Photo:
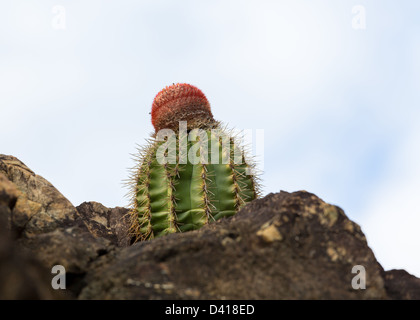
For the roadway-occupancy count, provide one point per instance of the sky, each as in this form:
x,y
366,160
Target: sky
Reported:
x,y
333,86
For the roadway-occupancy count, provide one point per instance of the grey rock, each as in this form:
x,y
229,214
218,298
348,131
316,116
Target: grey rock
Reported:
x,y
400,285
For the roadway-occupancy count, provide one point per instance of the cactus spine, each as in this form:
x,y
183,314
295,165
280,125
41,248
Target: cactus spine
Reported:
x,y
192,175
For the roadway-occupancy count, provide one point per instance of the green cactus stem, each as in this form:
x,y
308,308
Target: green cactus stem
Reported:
x,y
192,171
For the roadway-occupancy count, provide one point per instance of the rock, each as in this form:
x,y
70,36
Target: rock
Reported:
x,y
402,285
48,227
111,224
73,248
21,276
40,207
8,197
283,246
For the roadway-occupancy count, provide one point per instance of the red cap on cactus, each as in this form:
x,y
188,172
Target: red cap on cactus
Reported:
x,y
180,102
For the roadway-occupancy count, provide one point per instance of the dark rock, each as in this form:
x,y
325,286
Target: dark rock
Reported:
x,y
110,224
401,285
8,197
46,225
283,246
21,276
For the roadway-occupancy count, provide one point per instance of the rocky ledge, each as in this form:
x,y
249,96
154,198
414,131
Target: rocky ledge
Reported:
x,y
283,246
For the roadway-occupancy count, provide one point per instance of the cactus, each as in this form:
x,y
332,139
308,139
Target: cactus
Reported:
x,y
188,173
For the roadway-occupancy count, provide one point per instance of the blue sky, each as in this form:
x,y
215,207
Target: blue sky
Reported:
x,y
339,107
